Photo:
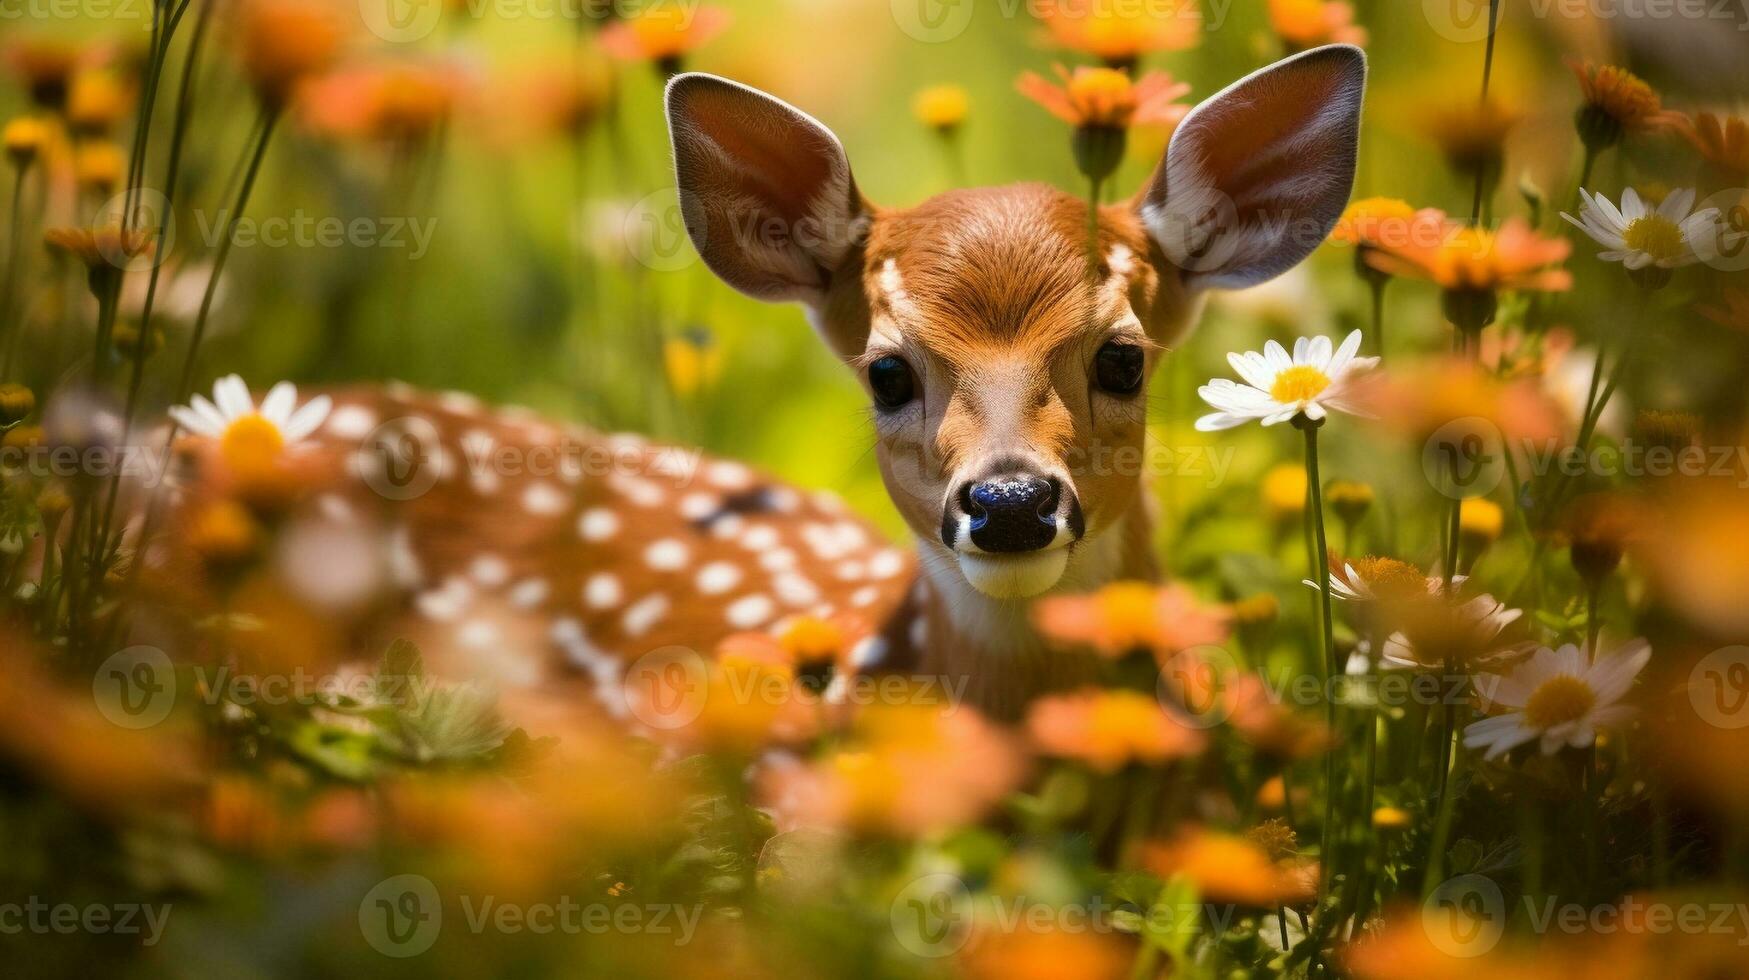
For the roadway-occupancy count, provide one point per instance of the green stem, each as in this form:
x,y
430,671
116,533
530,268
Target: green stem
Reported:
x,y
1487,77
1316,492
1450,767
14,249
1378,313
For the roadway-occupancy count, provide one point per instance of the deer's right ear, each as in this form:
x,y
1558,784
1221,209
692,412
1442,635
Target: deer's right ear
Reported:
x,y
765,190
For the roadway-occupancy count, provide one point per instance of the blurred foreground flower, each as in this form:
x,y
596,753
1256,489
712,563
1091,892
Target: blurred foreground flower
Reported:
x,y
909,769
97,104
1269,727
45,67
1471,135
1120,33
1309,23
1109,729
1560,697
664,34
283,43
1442,632
248,436
404,102
1278,388
942,108
1651,241
1228,868
1130,617
1724,143
1033,953
23,139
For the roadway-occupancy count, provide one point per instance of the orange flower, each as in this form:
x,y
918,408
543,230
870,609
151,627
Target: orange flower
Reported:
x,y
664,33
1309,23
1126,617
1377,221
1105,98
1121,33
565,100
104,247
909,769
1228,868
1269,726
405,101
23,139
1457,257
1724,143
1428,398
1735,312
283,43
1109,729
1044,954
1617,103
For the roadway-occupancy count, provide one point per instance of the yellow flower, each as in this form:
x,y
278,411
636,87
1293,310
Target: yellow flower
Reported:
x,y
108,247
16,403
1349,499
941,107
1480,521
1284,491
24,139
1255,610
1390,818
222,533
99,166
1126,617
1471,134
97,103
1374,220
52,504
693,360
45,66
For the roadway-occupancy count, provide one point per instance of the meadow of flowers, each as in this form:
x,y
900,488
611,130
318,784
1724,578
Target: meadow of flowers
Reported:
x,y
1447,673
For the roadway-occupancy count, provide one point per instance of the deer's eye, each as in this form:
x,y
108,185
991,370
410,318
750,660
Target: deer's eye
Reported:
x,y
1118,368
892,382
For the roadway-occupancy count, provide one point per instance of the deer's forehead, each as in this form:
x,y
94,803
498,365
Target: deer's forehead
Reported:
x,y
1003,269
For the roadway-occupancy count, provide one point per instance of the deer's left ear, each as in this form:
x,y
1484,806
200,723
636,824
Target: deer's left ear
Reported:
x,y
1257,175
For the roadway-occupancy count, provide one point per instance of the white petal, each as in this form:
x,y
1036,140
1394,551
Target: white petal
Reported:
x,y
1318,353
1277,357
233,397
278,404
1677,203
1219,421
1632,208
307,419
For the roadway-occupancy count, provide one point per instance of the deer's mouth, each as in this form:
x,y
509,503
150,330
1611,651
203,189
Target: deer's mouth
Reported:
x,y
1014,576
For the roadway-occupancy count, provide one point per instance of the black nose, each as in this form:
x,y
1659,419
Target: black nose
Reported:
x,y
1011,513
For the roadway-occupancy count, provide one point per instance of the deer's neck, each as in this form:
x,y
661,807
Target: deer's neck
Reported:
x,y
990,646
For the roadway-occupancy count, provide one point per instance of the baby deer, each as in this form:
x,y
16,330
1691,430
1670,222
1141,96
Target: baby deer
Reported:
x,y
1004,368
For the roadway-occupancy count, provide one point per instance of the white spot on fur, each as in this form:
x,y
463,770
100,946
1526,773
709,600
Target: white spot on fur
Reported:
x,y
351,422
698,506
489,570
528,593
795,589
666,555
750,611
718,577
598,524
543,499
865,596
602,591
643,614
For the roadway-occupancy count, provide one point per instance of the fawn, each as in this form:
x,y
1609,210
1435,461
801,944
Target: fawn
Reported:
x,y
999,360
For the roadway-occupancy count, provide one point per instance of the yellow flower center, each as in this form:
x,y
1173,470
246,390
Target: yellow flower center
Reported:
x,y
1104,95
1299,383
1656,236
1560,699
1128,614
1390,578
250,442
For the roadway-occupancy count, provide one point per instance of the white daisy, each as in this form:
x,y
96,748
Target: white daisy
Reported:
x,y
1461,632
1557,696
1278,387
1638,235
232,405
